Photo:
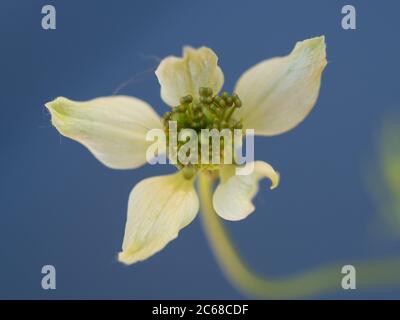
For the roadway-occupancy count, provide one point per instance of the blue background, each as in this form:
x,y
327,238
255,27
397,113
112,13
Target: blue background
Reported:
x,y
60,206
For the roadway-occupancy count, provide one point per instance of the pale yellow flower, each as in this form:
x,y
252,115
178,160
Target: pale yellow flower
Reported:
x,y
275,96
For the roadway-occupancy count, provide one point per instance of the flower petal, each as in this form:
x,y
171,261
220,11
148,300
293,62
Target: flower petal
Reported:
x,y
112,128
277,94
232,198
158,208
179,77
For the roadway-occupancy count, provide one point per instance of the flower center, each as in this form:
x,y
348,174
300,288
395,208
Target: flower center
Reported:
x,y
208,112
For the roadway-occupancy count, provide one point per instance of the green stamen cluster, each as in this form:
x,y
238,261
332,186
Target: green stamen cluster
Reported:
x,y
208,112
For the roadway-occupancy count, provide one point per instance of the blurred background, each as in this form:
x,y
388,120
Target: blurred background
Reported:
x,y
60,206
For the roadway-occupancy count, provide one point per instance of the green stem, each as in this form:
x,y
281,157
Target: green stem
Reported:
x,y
324,279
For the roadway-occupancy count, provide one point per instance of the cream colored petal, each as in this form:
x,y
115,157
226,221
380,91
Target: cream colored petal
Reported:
x,y
277,94
179,77
232,198
158,209
112,128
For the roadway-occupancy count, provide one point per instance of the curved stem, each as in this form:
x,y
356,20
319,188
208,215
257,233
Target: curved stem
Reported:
x,y
320,280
